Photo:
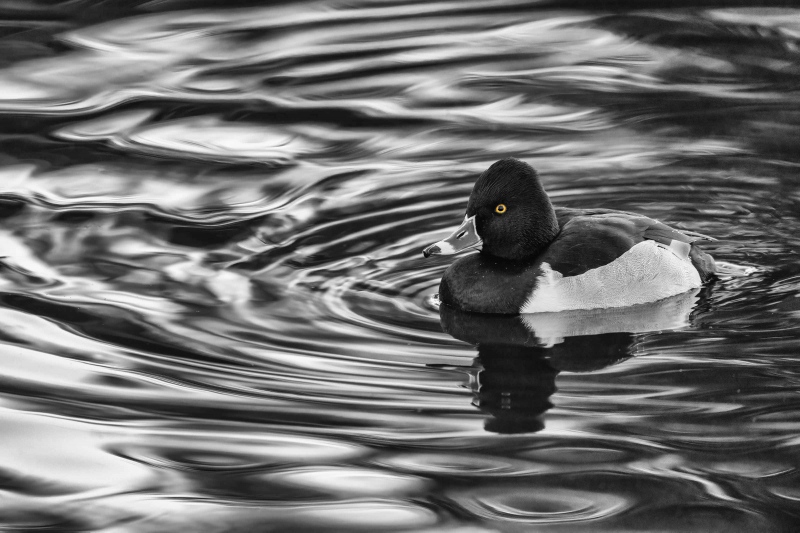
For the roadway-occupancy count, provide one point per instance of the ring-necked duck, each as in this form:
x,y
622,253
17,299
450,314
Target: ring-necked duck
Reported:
x,y
534,258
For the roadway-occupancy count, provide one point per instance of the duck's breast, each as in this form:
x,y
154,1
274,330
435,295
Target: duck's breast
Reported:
x,y
478,284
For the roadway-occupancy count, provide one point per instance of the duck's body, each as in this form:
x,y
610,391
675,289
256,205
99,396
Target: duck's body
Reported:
x,y
600,258
538,259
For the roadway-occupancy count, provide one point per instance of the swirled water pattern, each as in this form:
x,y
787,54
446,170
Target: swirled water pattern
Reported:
x,y
214,311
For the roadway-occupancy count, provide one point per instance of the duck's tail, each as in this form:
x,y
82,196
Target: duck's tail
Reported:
x,y
703,262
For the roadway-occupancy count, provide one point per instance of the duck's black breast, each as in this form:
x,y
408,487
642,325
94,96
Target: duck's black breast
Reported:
x,y
480,284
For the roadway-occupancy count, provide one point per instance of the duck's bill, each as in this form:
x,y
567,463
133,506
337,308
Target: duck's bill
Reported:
x,y
464,238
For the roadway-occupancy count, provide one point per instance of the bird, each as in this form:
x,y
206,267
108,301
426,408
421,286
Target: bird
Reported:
x,y
534,257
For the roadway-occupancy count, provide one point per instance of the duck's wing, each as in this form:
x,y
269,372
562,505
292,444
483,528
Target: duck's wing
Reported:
x,y
698,237
662,233
594,238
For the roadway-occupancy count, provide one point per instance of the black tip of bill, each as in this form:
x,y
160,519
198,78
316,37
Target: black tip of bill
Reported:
x,y
431,250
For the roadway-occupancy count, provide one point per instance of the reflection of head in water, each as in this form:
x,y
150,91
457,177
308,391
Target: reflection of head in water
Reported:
x,y
519,357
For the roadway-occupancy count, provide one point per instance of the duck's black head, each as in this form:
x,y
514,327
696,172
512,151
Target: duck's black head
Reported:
x,y
513,215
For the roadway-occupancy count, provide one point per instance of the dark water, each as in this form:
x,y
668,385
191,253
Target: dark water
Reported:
x,y
214,311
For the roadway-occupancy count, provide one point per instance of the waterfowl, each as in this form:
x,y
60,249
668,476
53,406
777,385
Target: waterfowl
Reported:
x,y
537,258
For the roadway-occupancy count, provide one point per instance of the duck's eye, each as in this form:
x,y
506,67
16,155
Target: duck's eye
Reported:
x,y
500,209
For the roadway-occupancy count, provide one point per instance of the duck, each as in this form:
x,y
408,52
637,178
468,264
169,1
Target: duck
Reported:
x,y
535,258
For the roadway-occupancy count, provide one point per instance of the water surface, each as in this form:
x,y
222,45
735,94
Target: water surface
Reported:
x,y
214,312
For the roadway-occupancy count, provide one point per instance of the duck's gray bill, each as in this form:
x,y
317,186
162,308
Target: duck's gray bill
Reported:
x,y
465,237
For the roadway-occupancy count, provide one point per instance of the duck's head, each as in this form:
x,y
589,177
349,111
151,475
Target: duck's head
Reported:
x,y
509,216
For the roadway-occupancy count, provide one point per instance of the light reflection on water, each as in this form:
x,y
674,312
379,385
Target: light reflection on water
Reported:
x,y
215,314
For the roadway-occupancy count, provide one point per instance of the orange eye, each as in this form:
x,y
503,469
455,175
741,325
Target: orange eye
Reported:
x,y
500,209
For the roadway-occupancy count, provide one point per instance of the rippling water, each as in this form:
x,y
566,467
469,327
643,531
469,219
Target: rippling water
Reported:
x,y
215,314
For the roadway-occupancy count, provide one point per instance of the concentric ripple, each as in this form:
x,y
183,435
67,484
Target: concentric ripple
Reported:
x,y
542,505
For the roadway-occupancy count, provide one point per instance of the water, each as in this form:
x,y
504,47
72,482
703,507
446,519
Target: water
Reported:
x,y
216,316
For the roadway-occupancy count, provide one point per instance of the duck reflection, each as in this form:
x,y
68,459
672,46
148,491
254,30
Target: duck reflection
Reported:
x,y
520,356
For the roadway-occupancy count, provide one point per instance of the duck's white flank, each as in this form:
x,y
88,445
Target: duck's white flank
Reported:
x,y
646,273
